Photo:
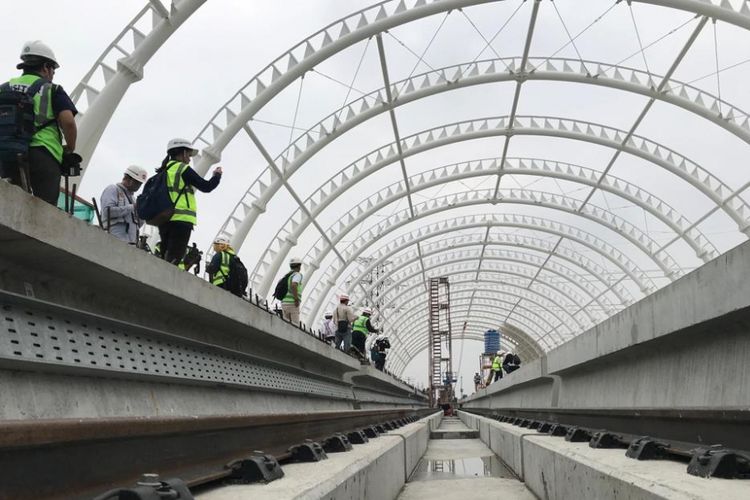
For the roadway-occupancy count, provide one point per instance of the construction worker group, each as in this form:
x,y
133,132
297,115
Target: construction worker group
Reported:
x,y
37,148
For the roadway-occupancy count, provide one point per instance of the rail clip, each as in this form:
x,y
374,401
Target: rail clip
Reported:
x,y
254,469
646,448
357,437
577,435
337,443
309,451
151,488
719,462
604,439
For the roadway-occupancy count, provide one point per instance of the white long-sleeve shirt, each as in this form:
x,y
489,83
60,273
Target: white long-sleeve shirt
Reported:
x,y
118,210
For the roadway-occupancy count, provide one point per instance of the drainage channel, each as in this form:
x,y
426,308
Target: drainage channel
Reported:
x,y
457,462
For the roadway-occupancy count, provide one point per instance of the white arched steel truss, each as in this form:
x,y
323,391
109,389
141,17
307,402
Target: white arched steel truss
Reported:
x,y
296,223
122,64
323,287
480,258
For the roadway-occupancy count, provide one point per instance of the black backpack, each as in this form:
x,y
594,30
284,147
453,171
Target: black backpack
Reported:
x,y
154,204
17,126
237,280
282,287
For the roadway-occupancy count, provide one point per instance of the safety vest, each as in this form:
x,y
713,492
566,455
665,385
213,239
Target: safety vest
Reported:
x,y
496,363
185,209
289,298
223,273
49,136
360,324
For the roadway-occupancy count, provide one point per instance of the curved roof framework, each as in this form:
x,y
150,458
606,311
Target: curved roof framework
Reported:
x,y
540,245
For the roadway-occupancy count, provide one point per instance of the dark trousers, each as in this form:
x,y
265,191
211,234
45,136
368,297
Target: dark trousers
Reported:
x,y
44,174
174,240
358,341
498,375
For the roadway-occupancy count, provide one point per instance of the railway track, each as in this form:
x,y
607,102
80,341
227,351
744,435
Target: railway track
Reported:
x,y
73,459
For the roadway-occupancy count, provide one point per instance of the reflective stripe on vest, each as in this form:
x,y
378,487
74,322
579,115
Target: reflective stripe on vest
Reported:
x,y
49,136
185,209
223,273
360,324
289,298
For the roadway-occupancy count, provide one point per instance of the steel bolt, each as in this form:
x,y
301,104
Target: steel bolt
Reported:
x,y
149,480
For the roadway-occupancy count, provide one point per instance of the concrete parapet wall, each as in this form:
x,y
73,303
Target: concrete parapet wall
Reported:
x,y
60,267
685,346
555,469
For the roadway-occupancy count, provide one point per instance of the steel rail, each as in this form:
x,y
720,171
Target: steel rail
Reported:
x,y
81,458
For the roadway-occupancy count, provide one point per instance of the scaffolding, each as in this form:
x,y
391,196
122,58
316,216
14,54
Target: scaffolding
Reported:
x,y
441,374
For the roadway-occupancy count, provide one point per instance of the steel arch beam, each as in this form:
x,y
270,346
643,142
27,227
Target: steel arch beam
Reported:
x,y
617,77
712,187
296,224
400,275
103,100
510,240
455,243
481,313
521,222
415,315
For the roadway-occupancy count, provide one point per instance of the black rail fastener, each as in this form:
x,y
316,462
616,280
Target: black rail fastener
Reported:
x,y
337,443
254,469
544,427
577,435
371,432
718,461
507,419
357,437
534,424
380,428
604,439
387,426
525,422
646,448
309,451
558,430
151,487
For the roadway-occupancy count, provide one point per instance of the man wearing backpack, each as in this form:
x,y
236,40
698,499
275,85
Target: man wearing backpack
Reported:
x,y
293,297
39,142
182,181
218,268
361,327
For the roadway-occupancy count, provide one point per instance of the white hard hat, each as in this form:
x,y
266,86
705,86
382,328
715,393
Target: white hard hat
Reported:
x,y
328,313
343,296
295,260
366,310
499,352
181,143
136,173
222,240
36,49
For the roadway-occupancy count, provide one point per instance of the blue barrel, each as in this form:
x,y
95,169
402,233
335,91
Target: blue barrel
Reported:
x,y
491,341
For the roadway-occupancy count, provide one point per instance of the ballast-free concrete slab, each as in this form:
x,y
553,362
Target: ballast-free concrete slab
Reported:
x,y
485,488
456,448
453,428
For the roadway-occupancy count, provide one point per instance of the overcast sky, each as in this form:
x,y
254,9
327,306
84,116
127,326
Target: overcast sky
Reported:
x,y
226,42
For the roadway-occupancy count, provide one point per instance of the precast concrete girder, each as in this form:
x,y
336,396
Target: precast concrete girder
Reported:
x,y
649,202
324,285
103,99
708,184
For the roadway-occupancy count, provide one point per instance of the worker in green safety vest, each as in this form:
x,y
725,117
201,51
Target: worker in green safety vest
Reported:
x,y
54,119
218,268
293,298
182,181
497,366
361,327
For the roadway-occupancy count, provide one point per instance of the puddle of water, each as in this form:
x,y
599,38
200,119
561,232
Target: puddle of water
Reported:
x,y
459,468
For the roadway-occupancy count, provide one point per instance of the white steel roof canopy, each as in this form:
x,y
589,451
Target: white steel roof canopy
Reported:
x,y
511,258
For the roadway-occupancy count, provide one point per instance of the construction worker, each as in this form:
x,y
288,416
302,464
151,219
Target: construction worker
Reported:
x,y
118,205
361,327
378,350
54,112
328,328
182,182
293,298
497,366
477,381
343,317
511,362
218,268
